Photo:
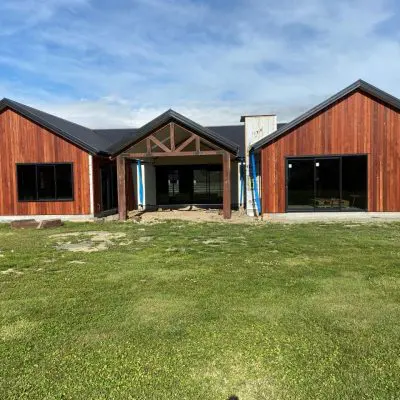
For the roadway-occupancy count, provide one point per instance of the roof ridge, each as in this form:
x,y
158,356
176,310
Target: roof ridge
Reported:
x,y
34,111
34,114
171,114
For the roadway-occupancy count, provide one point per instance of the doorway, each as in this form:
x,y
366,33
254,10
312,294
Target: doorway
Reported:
x,y
189,184
109,196
336,183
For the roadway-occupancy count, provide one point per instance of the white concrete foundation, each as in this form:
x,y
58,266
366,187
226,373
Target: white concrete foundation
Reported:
x,y
332,217
76,218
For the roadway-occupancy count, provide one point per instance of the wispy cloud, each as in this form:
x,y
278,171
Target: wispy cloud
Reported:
x,y
121,63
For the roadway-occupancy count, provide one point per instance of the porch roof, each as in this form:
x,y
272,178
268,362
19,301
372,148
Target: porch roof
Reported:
x,y
173,116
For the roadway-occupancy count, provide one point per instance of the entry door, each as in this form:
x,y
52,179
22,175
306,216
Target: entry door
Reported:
x,y
300,184
174,185
108,187
314,184
327,184
207,185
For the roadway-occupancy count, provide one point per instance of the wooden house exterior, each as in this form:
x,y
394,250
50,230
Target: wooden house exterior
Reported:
x,y
359,121
342,155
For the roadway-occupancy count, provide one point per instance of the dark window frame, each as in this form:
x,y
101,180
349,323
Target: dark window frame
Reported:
x,y
55,199
314,157
191,201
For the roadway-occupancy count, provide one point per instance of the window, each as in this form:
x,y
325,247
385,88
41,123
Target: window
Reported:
x,y
328,183
44,182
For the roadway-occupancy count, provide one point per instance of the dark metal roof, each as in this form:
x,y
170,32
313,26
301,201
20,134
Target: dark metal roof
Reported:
x,y
111,141
79,135
359,85
170,116
234,133
116,137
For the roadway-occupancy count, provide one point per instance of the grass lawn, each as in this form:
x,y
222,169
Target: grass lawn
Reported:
x,y
201,311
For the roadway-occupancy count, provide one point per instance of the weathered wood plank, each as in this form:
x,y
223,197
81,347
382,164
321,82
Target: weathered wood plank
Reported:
x,y
185,143
137,156
226,166
121,177
162,146
172,135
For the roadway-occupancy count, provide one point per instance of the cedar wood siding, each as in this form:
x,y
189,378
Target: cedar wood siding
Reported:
x,y
23,141
357,124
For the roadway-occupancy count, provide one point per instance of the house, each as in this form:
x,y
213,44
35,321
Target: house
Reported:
x,y
342,155
53,167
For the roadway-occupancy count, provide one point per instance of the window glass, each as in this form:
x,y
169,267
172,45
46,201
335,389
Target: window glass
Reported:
x,y
44,182
64,181
27,182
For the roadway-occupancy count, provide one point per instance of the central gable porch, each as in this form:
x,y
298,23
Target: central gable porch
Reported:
x,y
183,153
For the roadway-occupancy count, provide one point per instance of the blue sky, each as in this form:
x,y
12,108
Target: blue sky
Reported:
x,y
120,63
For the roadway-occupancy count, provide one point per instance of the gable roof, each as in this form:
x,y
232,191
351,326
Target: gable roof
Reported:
x,y
172,115
107,142
359,85
116,137
77,134
234,133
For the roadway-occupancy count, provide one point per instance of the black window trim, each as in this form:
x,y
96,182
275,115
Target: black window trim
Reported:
x,y
314,157
72,198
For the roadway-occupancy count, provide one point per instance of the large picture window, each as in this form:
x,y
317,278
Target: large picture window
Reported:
x,y
45,182
327,183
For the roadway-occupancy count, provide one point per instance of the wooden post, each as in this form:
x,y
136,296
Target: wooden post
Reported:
x,y
121,177
226,166
172,135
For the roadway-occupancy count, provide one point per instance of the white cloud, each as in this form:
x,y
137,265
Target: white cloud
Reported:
x,y
123,66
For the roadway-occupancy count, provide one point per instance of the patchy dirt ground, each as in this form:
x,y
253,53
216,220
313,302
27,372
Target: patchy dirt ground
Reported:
x,y
89,242
239,217
194,216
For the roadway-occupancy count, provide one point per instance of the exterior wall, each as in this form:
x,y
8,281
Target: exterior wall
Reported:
x,y
149,185
22,141
131,202
91,187
256,128
235,184
357,124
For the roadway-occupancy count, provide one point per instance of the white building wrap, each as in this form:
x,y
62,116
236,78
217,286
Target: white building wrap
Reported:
x,y
256,128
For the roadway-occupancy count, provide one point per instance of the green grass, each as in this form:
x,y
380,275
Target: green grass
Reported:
x,y
202,311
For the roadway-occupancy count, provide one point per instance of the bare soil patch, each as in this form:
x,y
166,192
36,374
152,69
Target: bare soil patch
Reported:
x,y
88,242
151,217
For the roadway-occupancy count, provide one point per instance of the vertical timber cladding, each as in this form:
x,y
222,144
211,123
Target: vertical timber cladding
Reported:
x,y
22,141
358,124
256,128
